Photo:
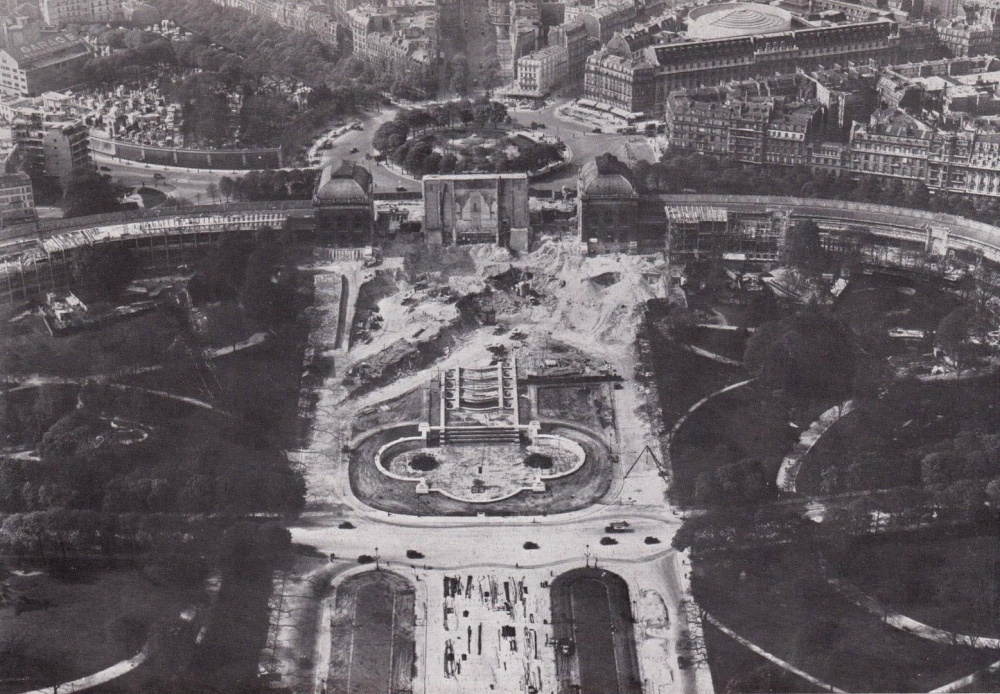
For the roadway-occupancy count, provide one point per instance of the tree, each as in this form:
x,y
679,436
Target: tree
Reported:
x,y
459,82
810,354
226,187
87,192
488,112
449,162
993,491
871,378
954,330
940,467
415,158
803,247
212,191
390,136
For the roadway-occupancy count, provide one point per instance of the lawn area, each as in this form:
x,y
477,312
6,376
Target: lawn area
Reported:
x,y
882,446
26,347
93,621
738,425
725,343
874,303
949,583
777,599
371,659
591,608
260,384
25,415
682,378
372,634
733,666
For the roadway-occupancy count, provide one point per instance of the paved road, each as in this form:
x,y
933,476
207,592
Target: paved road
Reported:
x,y
179,183
191,184
446,545
385,180
585,144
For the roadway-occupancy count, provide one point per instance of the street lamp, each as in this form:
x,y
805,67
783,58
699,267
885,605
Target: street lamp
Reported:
x,y
587,555
376,559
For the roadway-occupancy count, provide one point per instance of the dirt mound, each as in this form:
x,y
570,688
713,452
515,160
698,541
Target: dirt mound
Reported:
x,y
608,311
606,279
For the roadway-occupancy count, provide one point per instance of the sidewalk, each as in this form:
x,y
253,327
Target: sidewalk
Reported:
x,y
106,675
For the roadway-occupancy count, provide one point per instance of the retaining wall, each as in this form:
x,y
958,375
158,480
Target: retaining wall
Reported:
x,y
229,159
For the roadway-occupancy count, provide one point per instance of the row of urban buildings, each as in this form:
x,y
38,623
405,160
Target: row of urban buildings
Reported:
x,y
637,70
41,138
933,122
314,17
542,51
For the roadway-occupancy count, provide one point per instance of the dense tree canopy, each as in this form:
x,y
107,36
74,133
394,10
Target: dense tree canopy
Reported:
x,y
87,192
809,354
103,272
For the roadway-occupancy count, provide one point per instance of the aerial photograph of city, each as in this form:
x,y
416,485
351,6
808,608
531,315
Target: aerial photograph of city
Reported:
x,y
499,346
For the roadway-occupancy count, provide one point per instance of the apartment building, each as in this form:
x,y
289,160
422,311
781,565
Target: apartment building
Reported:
x,y
52,141
403,40
49,63
694,64
62,12
17,200
543,71
574,37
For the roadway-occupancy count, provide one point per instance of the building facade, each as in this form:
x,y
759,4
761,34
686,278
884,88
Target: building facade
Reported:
x,y
51,139
50,63
962,38
604,21
477,208
344,204
958,153
17,200
607,207
314,17
574,37
61,12
702,231
621,82
543,71
403,42
696,64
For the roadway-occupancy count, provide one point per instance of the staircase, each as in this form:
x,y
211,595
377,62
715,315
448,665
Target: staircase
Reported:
x,y
481,435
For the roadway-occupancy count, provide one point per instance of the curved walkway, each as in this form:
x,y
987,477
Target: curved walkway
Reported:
x,y
106,675
911,626
701,352
964,682
770,656
27,382
683,418
791,463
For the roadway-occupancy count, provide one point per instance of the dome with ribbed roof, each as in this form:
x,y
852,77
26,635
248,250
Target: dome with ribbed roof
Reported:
x,y
737,19
606,177
344,182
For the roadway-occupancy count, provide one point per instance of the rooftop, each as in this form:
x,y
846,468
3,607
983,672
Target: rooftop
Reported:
x,y
46,48
344,182
605,177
